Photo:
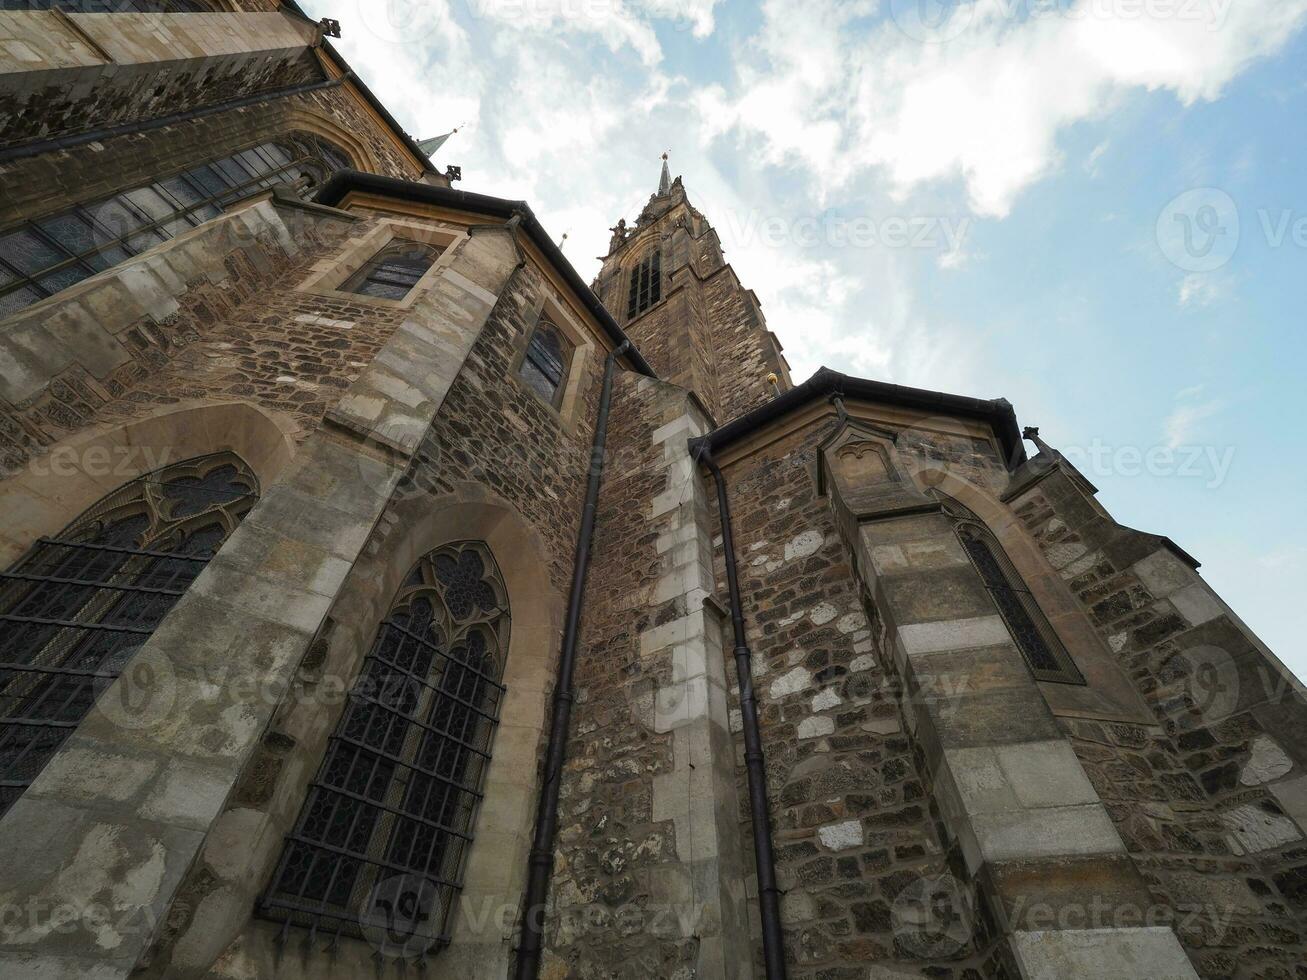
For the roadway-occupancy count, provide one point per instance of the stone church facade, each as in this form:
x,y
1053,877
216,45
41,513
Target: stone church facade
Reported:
x,y
379,597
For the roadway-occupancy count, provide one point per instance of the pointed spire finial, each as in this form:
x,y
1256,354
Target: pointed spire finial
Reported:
x,y
665,181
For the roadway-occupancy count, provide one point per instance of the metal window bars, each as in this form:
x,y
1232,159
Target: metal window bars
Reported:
x,y
379,848
77,607
38,258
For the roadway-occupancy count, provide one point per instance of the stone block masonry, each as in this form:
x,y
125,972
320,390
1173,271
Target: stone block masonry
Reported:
x,y
1206,801
257,608
859,851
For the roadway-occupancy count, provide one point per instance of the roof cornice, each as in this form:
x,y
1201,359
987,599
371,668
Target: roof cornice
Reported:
x,y
346,181
997,413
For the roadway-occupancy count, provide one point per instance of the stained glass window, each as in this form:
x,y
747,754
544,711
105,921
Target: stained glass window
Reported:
x,y
544,366
76,608
646,284
394,271
39,258
380,844
1044,653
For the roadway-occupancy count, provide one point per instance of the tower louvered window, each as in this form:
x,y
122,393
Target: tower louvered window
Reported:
x,y
380,845
646,284
39,258
1044,653
78,606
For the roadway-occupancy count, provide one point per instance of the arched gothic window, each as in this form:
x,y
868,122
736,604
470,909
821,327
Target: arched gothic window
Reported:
x,y
76,608
646,284
39,258
1044,653
544,365
394,271
385,830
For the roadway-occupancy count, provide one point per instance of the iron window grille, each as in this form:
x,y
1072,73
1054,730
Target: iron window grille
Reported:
x,y
394,271
112,6
544,365
76,607
380,845
1035,637
646,284
39,258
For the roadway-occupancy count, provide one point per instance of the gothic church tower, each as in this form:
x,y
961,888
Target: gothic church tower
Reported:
x,y
379,601
668,283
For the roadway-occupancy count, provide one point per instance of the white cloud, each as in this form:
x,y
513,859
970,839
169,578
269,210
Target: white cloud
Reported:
x,y
1200,289
840,95
1182,424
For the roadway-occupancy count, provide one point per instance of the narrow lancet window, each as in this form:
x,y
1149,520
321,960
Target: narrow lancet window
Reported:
x,y
544,366
1035,637
646,284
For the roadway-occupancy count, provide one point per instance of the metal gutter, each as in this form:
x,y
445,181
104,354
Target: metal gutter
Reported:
x,y
769,893
998,413
541,862
344,181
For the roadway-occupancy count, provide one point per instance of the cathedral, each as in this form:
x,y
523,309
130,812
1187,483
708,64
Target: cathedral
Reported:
x,y
378,599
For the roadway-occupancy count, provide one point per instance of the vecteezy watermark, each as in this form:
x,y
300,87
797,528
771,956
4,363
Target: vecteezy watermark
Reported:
x,y
126,462
1211,464
933,917
1198,231
1097,912
401,916
834,231
938,21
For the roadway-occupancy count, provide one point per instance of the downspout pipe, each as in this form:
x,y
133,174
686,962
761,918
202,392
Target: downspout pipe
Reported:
x,y
769,895
541,861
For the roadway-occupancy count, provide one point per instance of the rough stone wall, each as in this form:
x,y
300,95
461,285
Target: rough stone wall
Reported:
x,y
492,432
495,431
1204,801
245,337
608,839
155,65
855,820
46,183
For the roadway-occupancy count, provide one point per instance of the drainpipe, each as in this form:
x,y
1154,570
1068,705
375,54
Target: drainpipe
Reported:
x,y
769,902
541,863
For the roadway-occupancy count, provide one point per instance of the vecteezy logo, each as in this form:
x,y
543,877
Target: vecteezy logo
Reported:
x,y
1208,679
142,695
399,21
932,21
401,916
1198,231
932,917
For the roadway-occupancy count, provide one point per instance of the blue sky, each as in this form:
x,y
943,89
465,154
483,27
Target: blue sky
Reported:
x,y
1096,209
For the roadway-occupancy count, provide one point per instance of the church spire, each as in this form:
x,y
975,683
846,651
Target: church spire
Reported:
x,y
665,181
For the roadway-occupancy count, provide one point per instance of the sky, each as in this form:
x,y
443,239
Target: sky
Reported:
x,y
1094,208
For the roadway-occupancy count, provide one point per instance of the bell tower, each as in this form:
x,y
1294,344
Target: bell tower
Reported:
x,y
667,282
